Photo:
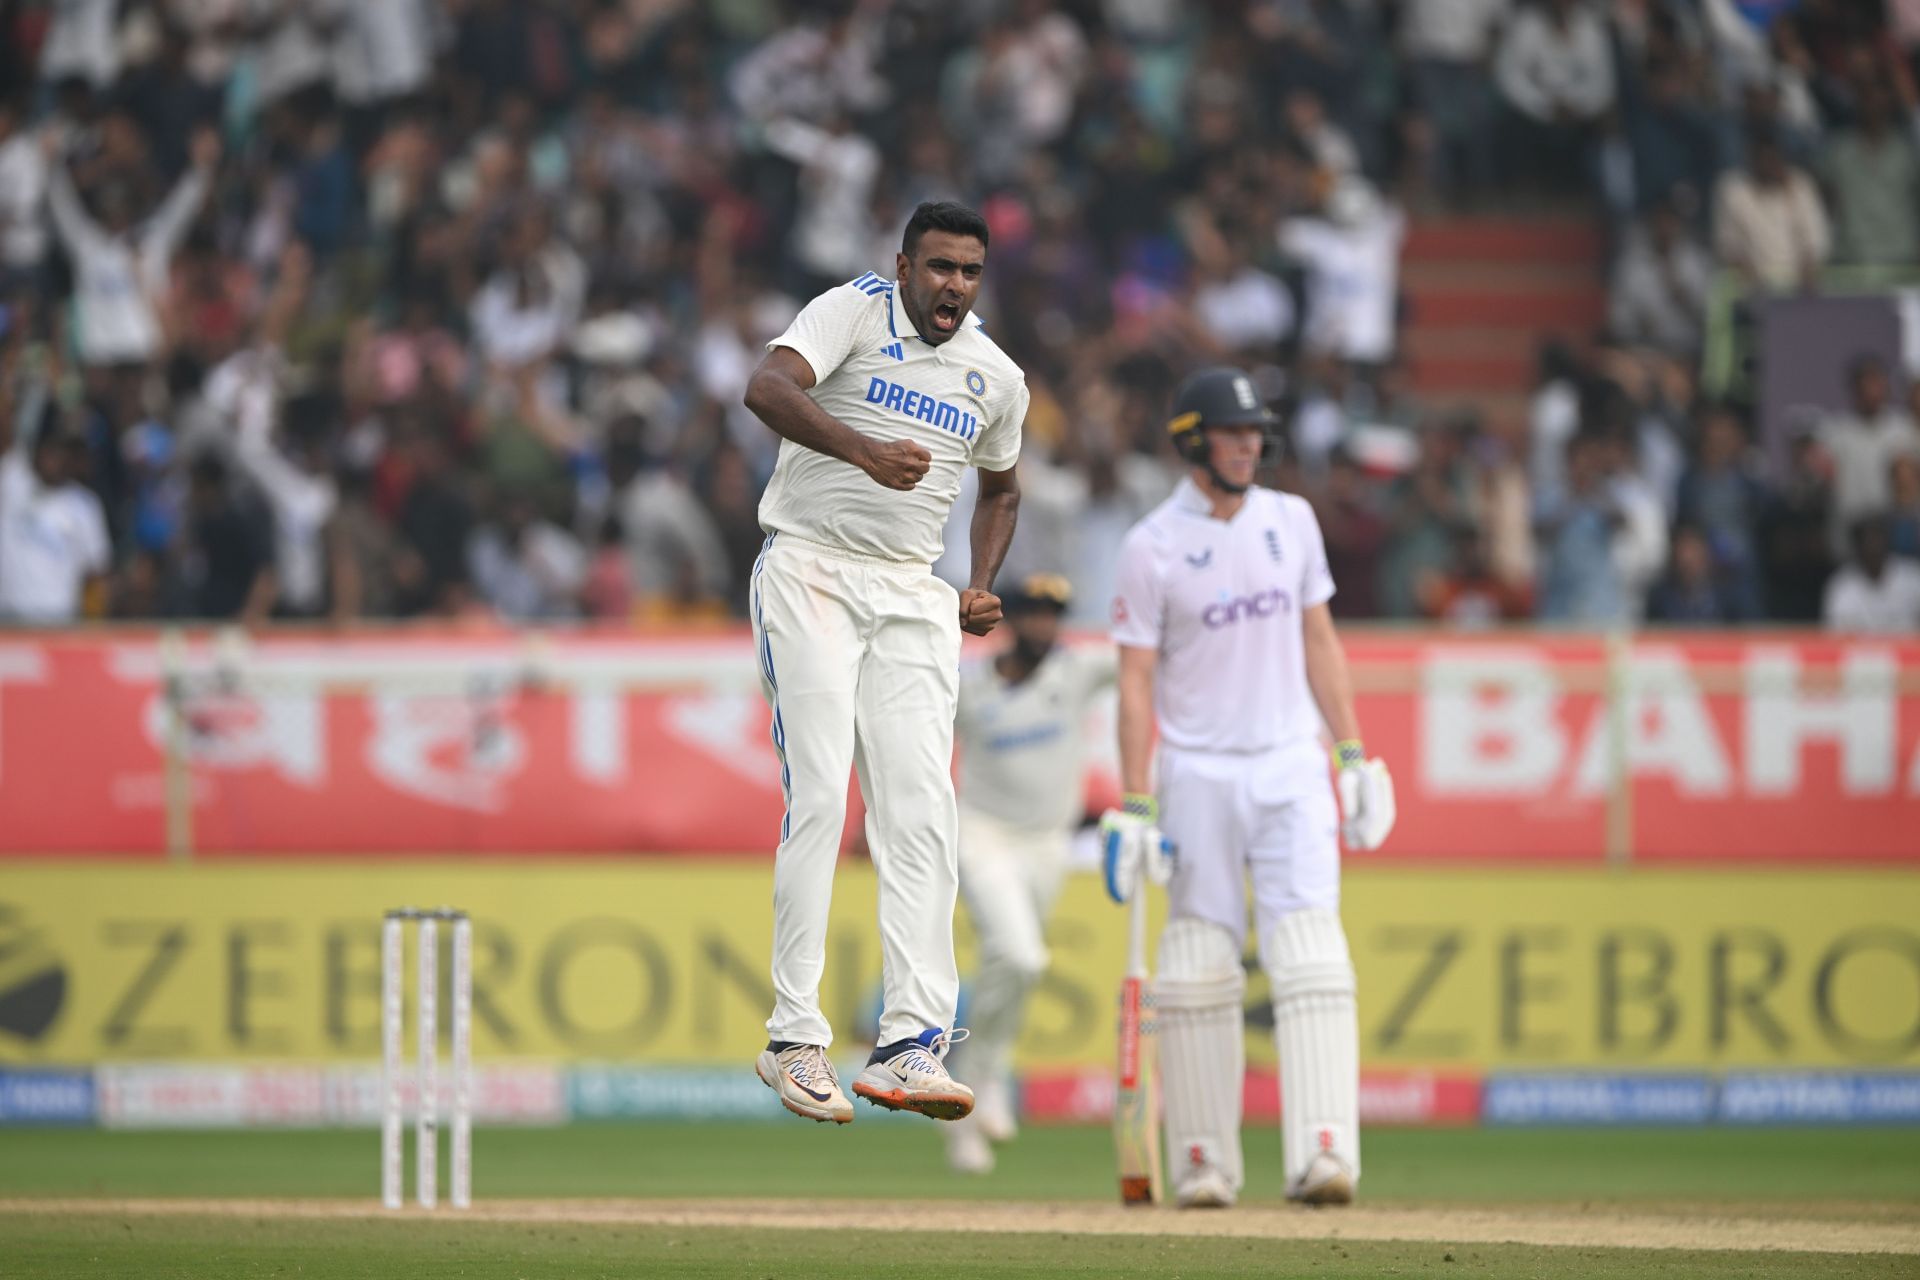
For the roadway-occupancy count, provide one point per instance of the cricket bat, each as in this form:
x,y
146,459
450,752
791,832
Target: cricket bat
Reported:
x,y
1136,1128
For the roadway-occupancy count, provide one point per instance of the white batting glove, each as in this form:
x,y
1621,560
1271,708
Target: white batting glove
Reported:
x,y
1132,846
1366,798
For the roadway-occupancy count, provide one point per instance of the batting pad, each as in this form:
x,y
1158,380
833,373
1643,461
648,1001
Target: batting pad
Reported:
x,y
1317,1034
1202,1051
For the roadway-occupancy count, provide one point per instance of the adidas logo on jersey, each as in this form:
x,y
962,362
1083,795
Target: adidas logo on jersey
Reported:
x,y
894,349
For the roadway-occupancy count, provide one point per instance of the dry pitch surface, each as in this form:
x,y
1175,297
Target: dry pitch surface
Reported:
x,y
1554,1227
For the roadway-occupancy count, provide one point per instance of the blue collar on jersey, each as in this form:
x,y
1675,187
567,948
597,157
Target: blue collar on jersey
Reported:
x,y
899,323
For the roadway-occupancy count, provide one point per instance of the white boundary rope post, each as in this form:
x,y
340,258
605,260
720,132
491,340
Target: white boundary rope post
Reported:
x,y
426,1116
460,1157
392,1047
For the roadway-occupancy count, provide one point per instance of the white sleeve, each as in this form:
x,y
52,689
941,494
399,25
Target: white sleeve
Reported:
x,y
1099,667
999,445
823,332
799,142
1139,607
176,213
1316,580
97,545
1516,63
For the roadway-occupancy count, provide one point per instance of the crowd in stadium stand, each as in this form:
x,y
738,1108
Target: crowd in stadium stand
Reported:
x,y
338,309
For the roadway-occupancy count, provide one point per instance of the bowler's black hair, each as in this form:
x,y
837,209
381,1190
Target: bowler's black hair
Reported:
x,y
943,215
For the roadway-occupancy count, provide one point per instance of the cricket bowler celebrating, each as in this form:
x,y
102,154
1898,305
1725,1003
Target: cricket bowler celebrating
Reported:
x,y
1225,641
1022,732
883,392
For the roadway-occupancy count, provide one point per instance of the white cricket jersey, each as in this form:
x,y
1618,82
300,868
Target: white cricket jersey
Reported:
x,y
1023,747
963,401
1221,602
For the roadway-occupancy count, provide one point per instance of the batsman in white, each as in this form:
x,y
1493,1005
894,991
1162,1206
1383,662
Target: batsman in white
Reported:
x,y
1022,733
1225,641
884,392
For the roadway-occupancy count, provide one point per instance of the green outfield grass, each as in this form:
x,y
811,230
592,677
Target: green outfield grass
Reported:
x,y
1835,1174
1476,1166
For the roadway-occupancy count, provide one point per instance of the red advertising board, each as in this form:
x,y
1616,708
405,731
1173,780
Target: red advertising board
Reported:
x,y
1508,747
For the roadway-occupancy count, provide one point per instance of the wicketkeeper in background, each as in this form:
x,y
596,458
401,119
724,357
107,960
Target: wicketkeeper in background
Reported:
x,y
1225,641
1022,734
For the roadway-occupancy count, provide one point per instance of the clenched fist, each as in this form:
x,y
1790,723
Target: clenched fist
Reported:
x,y
979,611
896,464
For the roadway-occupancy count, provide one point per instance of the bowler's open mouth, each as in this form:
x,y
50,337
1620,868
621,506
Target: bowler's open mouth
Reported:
x,y
945,317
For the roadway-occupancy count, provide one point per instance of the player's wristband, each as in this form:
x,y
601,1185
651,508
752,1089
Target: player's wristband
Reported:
x,y
1349,753
1144,807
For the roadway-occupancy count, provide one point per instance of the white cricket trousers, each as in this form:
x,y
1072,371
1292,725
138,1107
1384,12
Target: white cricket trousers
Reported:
x,y
859,660
1009,878
1269,817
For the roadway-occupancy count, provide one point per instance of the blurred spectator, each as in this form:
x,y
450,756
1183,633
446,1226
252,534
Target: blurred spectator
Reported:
x,y
1553,418
674,553
1431,506
1862,445
526,568
1660,285
82,42
1903,516
223,568
1769,225
1448,45
1795,534
833,231
733,504
1722,500
1351,252
1355,534
120,266
361,550
23,185
607,590
1467,593
1121,487
53,536
434,522
1555,70
1241,308
815,70
1874,591
1015,94
1583,578
1672,128
527,308
1698,590
540,243
1873,170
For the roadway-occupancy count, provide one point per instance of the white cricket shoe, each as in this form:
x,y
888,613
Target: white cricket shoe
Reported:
x,y
968,1150
993,1109
1204,1187
804,1079
914,1079
1327,1181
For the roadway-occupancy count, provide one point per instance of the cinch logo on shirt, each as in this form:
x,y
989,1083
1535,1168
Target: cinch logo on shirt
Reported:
x,y
952,420
1261,604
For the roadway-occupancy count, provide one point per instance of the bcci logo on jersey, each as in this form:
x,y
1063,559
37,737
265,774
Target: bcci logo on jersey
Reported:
x,y
949,418
1261,604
